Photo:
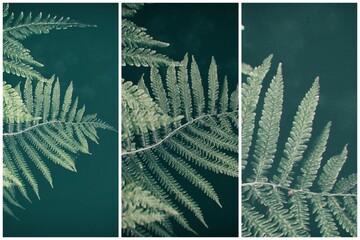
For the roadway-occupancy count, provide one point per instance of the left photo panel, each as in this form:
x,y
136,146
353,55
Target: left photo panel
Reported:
x,y
60,158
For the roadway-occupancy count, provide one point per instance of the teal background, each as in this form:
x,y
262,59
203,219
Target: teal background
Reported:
x,y
202,30
84,203
310,40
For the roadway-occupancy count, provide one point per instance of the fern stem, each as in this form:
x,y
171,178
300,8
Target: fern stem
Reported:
x,y
299,190
175,131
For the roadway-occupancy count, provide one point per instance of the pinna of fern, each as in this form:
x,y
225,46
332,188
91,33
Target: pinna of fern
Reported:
x,y
138,46
303,186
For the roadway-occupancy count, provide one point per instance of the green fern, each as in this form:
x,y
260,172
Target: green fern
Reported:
x,y
39,124
199,139
137,45
141,208
16,58
295,194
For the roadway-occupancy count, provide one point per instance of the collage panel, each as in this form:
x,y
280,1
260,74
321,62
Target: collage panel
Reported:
x,y
60,158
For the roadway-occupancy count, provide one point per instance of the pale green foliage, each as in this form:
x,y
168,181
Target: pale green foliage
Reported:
x,y
14,109
58,137
39,124
140,114
205,138
23,26
137,45
139,207
16,58
291,199
130,9
181,129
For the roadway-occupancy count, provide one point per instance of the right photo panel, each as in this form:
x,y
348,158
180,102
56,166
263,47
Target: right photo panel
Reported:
x,y
180,120
299,120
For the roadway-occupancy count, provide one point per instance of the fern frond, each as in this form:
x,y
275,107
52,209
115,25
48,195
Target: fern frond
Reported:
x,y
14,110
313,160
184,88
299,135
345,221
14,50
213,91
324,218
331,171
24,27
51,135
345,185
224,97
198,90
22,70
5,10
130,9
249,98
144,57
140,207
269,129
283,204
158,90
257,223
134,36
198,140
173,91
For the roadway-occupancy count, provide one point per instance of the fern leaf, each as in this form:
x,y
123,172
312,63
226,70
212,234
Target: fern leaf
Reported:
x,y
313,160
184,88
15,51
50,136
213,91
134,36
130,9
256,222
24,27
324,218
332,202
345,221
5,10
249,97
173,91
198,91
299,135
67,101
331,171
22,70
269,129
144,57
224,97
184,146
140,207
170,183
346,184
14,109
158,90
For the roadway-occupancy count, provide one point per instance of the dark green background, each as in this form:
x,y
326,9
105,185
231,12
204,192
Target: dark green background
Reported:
x,y
202,30
83,203
310,40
